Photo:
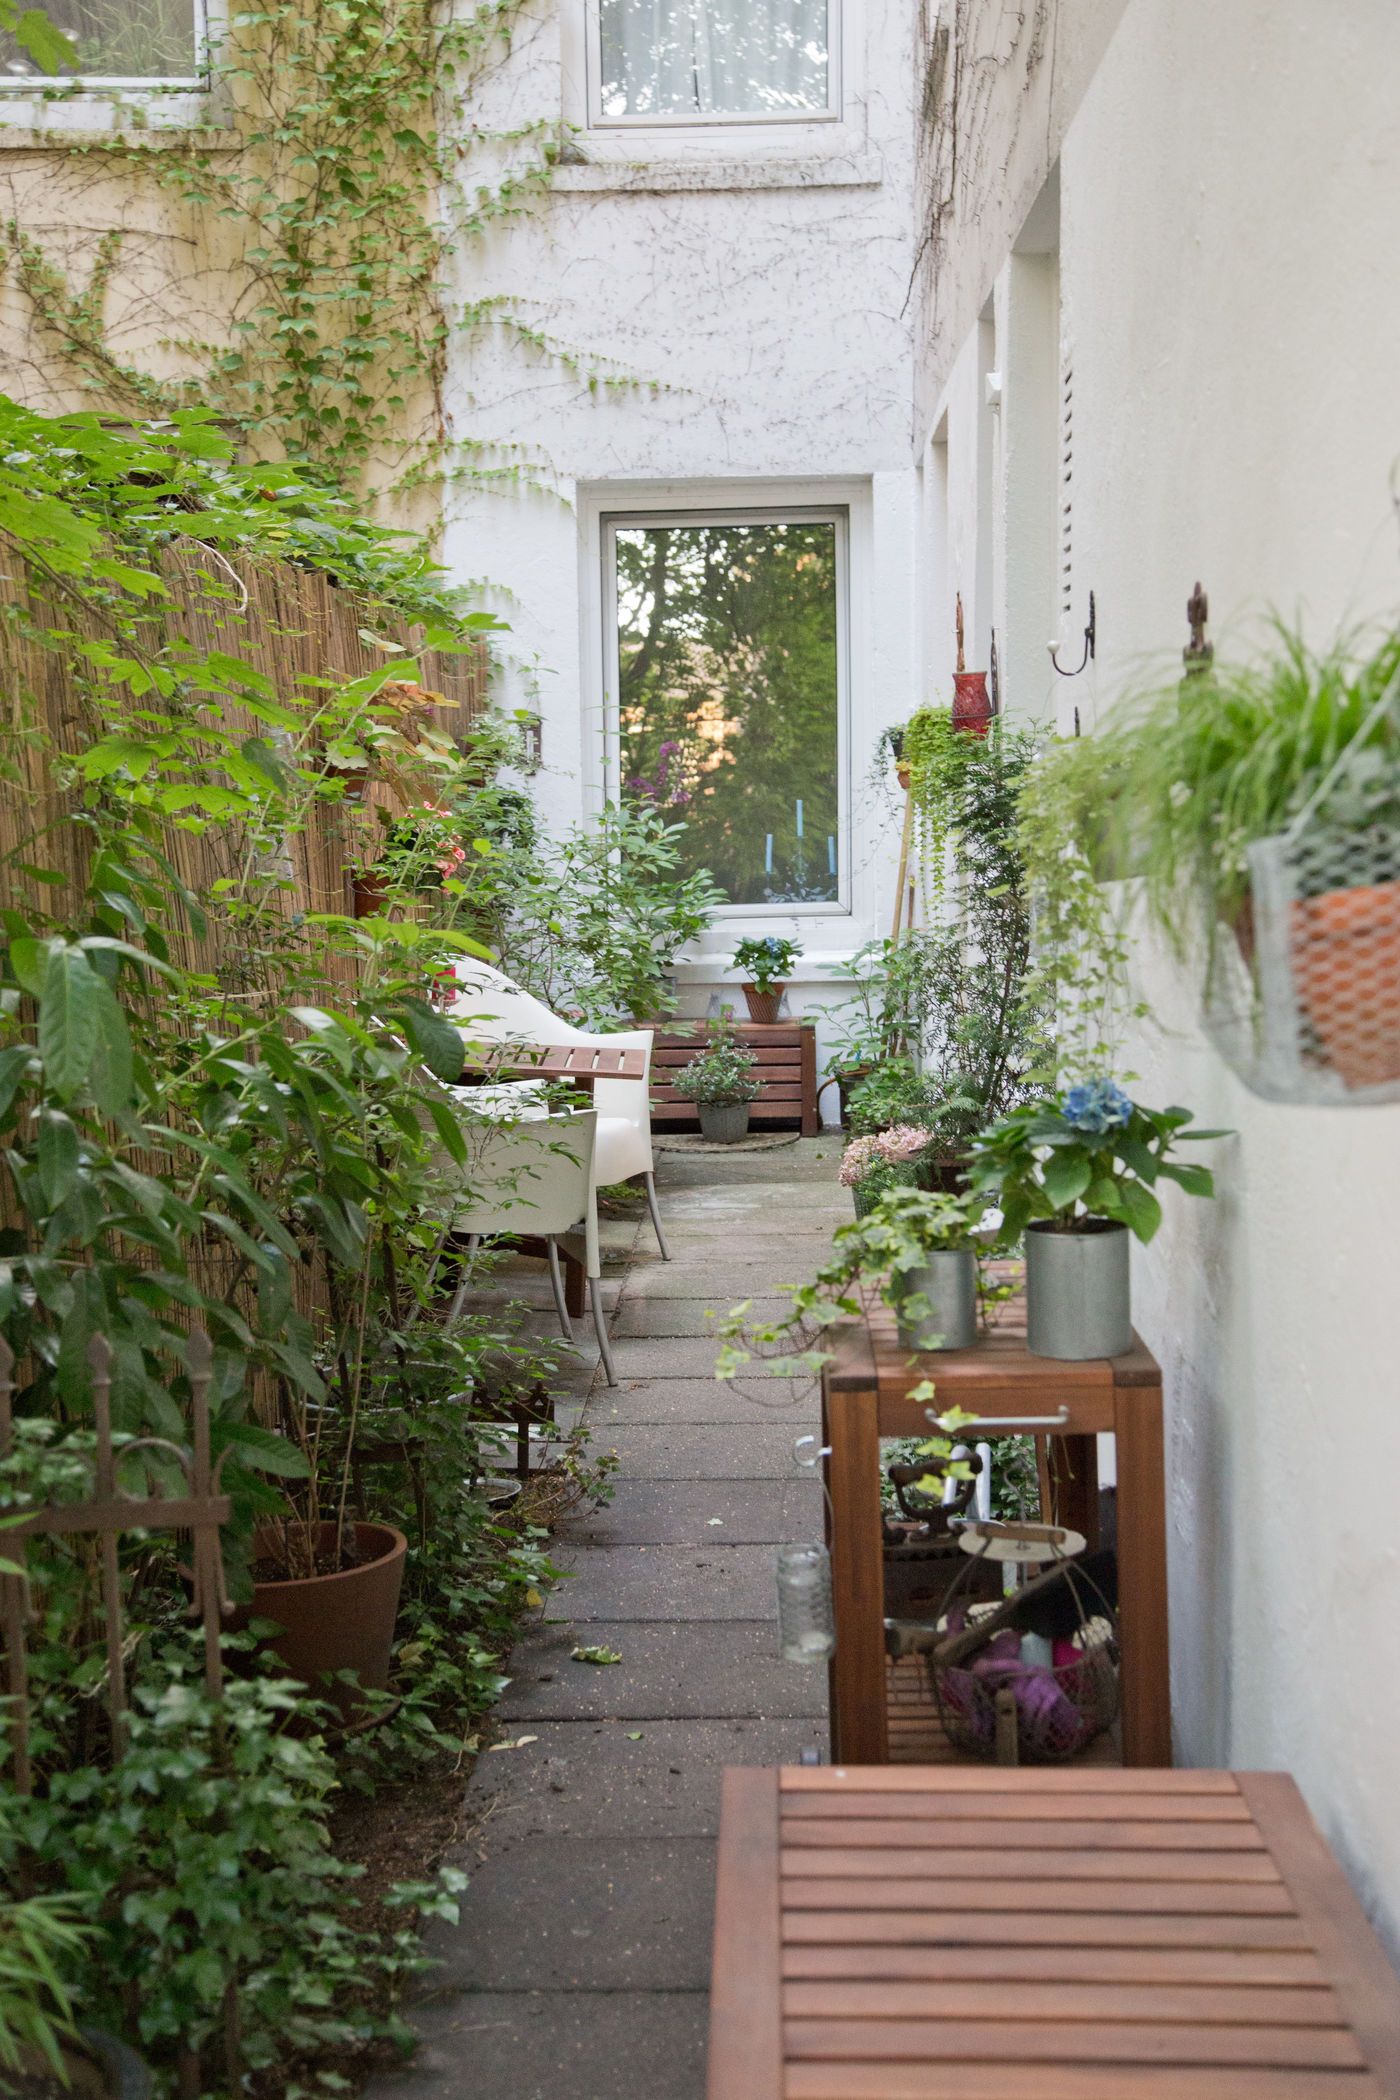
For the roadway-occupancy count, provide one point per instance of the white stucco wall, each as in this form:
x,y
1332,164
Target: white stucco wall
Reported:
x,y
759,276
1229,273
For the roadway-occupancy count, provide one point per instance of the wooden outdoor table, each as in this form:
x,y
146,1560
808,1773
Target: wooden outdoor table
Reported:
x,y
881,1711
578,1063
964,1933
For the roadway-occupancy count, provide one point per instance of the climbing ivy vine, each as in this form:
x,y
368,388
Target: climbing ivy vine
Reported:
x,y
341,202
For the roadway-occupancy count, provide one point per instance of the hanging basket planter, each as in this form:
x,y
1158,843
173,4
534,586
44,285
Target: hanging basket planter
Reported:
x,y
1303,996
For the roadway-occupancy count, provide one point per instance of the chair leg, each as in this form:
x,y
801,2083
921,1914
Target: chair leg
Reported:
x,y
459,1297
600,1327
556,1277
656,1217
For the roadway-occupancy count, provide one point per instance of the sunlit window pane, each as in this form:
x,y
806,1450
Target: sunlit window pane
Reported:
x,y
117,40
729,698
707,58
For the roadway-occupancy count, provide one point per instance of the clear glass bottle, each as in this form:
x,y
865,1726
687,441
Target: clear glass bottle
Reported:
x,y
806,1628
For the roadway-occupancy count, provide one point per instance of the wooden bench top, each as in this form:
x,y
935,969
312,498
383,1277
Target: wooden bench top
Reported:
x,y
971,1933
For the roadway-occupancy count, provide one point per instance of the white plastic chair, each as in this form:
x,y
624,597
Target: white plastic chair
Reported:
x,y
494,1010
533,1176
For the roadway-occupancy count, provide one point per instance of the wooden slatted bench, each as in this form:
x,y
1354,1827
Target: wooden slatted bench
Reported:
x,y
786,1072
966,1933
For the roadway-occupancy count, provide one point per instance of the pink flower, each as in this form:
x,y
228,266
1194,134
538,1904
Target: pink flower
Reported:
x,y
901,1143
856,1161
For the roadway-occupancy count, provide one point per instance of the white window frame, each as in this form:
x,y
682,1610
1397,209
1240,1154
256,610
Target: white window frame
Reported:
x,y
611,521
692,120
99,103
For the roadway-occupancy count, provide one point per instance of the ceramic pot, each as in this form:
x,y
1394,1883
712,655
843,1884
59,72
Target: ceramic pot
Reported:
x,y
946,1286
1345,951
724,1122
763,1006
368,891
1078,1297
972,703
335,1622
848,1078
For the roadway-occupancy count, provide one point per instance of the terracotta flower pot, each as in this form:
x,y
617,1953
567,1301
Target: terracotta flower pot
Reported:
x,y
1345,953
369,892
972,703
336,1622
763,1006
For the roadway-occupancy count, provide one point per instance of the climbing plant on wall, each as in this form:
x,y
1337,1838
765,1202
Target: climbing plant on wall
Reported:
x,y
340,202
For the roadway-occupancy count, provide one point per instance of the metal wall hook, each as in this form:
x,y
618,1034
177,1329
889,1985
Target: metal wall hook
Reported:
x,y
803,1456
1090,646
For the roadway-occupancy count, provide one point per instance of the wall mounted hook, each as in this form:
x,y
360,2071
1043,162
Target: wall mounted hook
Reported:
x,y
1090,644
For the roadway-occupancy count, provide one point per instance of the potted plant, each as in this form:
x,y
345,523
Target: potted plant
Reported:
x,y
896,1157
1076,1176
769,963
923,1245
720,1082
332,1591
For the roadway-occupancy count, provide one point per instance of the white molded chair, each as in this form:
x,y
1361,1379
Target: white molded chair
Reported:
x,y
535,1177
494,1010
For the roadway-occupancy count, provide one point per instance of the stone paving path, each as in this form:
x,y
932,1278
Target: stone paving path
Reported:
x,y
580,1967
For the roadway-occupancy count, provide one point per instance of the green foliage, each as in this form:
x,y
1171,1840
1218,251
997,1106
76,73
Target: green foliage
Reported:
x,y
1093,1154
721,1074
728,698
38,39
767,961
896,1092
592,923
42,1941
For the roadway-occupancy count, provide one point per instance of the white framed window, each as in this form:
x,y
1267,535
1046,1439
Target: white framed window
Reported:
x,y
684,62
726,671
123,46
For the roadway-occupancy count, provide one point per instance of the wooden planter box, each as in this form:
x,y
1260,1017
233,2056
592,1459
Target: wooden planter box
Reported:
x,y
786,1071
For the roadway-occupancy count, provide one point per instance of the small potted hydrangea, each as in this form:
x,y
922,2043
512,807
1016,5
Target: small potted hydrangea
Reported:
x,y
888,1159
1076,1176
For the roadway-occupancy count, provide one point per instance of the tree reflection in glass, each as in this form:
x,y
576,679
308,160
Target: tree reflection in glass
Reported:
x,y
728,698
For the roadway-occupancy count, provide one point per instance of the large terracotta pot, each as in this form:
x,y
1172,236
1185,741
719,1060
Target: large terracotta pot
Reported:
x,y
763,1006
1345,952
336,1622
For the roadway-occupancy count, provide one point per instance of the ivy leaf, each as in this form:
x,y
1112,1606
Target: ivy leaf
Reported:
x,y
68,1019
50,49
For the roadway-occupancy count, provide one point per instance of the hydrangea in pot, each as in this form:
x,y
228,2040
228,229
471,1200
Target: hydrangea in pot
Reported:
x,y
1076,1176
882,1160
720,1082
768,964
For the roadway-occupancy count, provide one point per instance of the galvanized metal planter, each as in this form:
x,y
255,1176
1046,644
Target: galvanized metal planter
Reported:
x,y
1078,1295
943,1313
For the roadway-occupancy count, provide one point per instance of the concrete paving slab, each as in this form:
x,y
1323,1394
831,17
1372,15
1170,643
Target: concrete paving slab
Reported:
x,y
673,1318
556,2045
752,1450
722,1282
705,1400
712,1581
690,1672
614,1913
594,1778
678,1513
676,1357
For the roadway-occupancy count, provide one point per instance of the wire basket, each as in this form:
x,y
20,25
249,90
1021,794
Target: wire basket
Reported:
x,y
997,1702
1303,991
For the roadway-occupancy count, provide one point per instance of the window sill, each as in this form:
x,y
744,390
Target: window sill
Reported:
x,y
813,171
39,123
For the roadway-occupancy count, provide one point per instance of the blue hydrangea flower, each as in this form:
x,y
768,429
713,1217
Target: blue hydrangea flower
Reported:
x,y
1096,1107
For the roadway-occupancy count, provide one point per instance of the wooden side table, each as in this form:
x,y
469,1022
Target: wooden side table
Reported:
x,y
959,1933
786,1072
875,1707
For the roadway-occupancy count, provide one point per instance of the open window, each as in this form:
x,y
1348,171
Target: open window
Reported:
x,y
726,641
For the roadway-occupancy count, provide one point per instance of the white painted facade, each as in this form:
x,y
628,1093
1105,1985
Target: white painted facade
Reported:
x,y
753,280
1211,334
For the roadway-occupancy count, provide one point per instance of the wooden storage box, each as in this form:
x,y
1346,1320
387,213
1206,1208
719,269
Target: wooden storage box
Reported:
x,y
786,1071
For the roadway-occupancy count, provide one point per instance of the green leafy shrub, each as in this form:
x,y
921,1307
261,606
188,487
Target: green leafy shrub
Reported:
x,y
720,1074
